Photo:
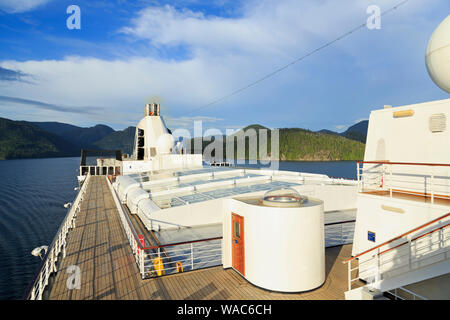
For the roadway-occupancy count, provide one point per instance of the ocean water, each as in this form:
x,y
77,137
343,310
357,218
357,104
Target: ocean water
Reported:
x,y
336,169
33,192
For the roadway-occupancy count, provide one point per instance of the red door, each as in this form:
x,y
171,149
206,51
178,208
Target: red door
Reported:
x,y
237,238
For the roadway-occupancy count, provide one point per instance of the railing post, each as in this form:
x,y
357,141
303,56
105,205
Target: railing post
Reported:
x,y
432,184
358,176
141,263
390,180
349,272
192,256
409,251
377,277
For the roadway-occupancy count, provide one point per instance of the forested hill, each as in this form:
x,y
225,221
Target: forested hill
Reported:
x,y
294,145
21,139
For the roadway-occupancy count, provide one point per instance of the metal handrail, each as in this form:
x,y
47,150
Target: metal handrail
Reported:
x,y
181,243
398,237
407,163
378,264
138,249
38,276
407,291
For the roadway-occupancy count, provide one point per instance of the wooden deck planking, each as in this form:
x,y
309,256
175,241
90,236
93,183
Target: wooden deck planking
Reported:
x,y
99,247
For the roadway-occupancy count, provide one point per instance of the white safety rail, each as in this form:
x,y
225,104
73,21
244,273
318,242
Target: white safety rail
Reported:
x,y
405,294
170,258
421,247
182,257
99,170
339,233
131,234
424,179
40,280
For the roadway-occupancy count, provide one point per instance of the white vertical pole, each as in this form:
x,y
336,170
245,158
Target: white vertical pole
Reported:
x,y
390,180
358,177
192,256
377,271
409,249
349,271
432,184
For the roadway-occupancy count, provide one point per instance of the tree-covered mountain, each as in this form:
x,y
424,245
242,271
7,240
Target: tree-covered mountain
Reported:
x,y
356,132
122,140
82,137
21,139
294,144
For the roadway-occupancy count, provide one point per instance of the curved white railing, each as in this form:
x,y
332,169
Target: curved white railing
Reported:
x,y
48,266
417,248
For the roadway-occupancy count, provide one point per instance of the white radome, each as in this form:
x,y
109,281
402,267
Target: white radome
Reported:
x,y
165,143
438,55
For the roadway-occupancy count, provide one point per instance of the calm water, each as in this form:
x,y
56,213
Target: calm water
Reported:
x,y
33,193
337,169
31,209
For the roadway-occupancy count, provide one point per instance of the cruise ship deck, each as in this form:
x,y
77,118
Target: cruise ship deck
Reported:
x,y
98,245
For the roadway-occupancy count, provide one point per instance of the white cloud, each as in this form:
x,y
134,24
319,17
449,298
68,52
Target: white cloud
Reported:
x,y
18,6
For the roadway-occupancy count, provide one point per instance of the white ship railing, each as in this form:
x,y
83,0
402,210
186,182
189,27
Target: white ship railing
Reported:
x,y
418,248
58,245
399,294
429,180
100,170
339,233
170,258
181,257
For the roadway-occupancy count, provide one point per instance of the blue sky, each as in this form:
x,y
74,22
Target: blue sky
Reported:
x,y
185,54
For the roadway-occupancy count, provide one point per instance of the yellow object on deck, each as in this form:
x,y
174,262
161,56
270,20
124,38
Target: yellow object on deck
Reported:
x,y
179,266
159,266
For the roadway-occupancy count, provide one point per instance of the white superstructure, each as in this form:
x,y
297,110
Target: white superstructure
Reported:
x,y
402,235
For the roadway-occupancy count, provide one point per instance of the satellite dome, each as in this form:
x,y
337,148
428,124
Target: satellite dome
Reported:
x,y
438,55
283,197
164,144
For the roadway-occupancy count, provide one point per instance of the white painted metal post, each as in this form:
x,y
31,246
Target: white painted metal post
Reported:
x,y
358,177
432,184
141,263
390,180
192,256
349,271
409,249
377,271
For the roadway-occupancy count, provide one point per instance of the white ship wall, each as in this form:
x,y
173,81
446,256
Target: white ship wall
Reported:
x,y
376,215
408,139
404,139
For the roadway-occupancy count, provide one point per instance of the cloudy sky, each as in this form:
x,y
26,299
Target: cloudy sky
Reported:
x,y
186,54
